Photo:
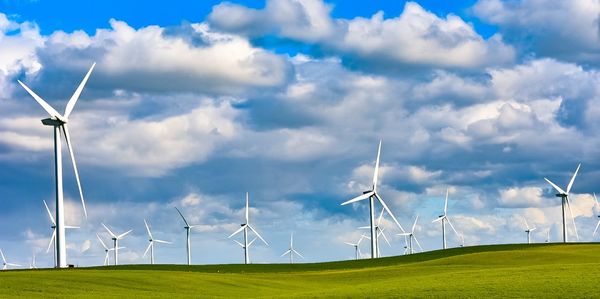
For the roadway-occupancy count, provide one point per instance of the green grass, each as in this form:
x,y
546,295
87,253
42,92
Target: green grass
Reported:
x,y
513,271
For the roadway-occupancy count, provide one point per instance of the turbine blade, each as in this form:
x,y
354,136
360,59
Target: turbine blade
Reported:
x,y
77,92
258,235
389,212
596,229
251,242
351,244
147,249
298,253
596,199
358,198
247,204
376,172
109,231
123,234
2,254
527,225
51,240
573,179
380,216
287,252
572,218
414,224
163,242
418,244
242,245
404,234
46,106
185,221
452,226
364,227
49,213
102,242
71,226
438,219
385,238
237,231
148,229
70,146
446,202
557,188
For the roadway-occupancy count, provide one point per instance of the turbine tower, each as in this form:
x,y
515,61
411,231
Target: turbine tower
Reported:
x,y
411,236
564,195
187,227
528,231
116,239
357,246
291,251
151,245
244,227
59,123
372,195
443,219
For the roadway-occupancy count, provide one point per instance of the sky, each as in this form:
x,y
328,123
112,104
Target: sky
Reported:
x,y
194,103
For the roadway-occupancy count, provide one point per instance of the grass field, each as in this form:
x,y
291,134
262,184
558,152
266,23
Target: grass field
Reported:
x,y
515,271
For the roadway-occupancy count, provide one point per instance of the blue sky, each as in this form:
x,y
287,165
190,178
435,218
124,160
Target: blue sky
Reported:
x,y
195,103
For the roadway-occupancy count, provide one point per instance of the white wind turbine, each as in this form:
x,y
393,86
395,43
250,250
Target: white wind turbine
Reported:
x,y
598,224
53,226
411,236
291,251
116,239
372,195
32,263
106,250
5,264
444,218
528,231
187,227
244,227
151,245
548,235
59,122
565,201
357,246
378,232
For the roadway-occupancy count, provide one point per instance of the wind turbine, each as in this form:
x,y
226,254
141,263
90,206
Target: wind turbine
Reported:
x,y
548,235
378,232
32,263
597,225
244,227
411,236
53,226
528,231
444,218
291,251
151,245
187,227
116,239
371,195
5,264
565,200
59,122
106,250
357,246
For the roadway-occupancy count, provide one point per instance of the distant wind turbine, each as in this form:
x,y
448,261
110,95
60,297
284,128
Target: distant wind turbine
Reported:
x,y
244,227
411,235
53,226
564,195
548,235
598,224
528,231
379,231
372,194
116,239
357,246
187,227
291,251
59,122
5,264
151,245
443,219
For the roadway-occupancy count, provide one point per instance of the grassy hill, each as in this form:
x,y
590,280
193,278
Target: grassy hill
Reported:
x,y
541,270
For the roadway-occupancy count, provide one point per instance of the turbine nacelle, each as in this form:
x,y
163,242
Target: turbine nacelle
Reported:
x,y
55,122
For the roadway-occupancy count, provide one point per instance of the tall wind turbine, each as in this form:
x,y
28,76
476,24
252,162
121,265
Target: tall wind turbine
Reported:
x,y
357,246
411,236
187,227
528,231
59,122
244,227
53,226
116,239
598,224
291,251
5,264
151,245
372,195
564,195
444,218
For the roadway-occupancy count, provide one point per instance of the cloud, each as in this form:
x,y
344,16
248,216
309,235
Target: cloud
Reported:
x,y
567,30
520,197
416,37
